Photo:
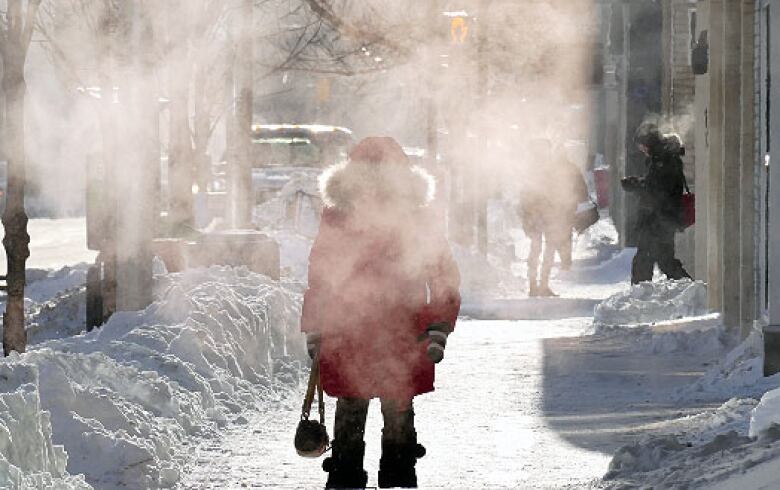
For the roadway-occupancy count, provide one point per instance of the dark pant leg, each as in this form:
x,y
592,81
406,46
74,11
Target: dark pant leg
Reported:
x,y
350,423
548,257
399,446
533,256
644,260
345,466
665,255
555,237
565,251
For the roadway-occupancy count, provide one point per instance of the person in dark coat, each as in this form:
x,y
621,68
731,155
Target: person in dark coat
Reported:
x,y
660,204
382,298
553,187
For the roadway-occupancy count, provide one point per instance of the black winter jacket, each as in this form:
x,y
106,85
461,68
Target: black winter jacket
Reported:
x,y
660,190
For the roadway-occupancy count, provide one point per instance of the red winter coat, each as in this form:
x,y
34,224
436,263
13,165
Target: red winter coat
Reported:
x,y
380,272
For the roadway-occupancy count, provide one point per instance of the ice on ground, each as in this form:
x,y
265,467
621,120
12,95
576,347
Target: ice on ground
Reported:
x,y
126,400
651,302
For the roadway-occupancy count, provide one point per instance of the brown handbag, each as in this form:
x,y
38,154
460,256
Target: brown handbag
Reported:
x,y
311,436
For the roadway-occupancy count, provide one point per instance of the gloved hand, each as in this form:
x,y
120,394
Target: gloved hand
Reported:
x,y
631,183
313,341
437,333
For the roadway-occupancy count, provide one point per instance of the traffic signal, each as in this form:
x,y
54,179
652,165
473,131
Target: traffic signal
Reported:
x,y
459,30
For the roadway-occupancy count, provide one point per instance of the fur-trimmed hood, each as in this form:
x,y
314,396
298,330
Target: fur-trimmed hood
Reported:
x,y
345,185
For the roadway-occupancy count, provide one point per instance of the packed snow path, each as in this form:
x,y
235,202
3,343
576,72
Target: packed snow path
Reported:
x,y
518,404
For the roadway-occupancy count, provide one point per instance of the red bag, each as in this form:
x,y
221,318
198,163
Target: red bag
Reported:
x,y
688,217
601,179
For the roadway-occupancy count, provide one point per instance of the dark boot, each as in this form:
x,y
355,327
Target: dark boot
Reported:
x,y
399,446
345,467
397,465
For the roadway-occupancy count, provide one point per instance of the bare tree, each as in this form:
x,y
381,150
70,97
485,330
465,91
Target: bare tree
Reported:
x,y
15,36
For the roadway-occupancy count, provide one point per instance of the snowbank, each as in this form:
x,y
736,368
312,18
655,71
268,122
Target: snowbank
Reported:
x,y
650,302
734,446
766,414
702,336
28,458
705,449
54,303
739,374
62,316
126,400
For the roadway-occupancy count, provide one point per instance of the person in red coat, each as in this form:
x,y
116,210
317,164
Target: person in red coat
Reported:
x,y
382,298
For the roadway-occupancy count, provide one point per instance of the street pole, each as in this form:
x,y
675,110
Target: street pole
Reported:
x,y
482,181
141,155
109,117
241,167
431,106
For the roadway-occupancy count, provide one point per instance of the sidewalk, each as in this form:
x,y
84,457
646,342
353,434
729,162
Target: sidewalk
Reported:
x,y
518,405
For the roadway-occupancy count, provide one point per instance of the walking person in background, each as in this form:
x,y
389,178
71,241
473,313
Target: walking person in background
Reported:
x,y
553,187
571,191
381,301
660,204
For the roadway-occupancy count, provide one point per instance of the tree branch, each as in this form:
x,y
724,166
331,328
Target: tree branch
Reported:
x,y
29,25
349,30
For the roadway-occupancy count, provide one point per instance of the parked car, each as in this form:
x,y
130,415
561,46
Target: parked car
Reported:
x,y
280,151
283,150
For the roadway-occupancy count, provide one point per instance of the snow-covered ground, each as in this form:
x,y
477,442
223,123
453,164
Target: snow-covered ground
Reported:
x,y
511,410
55,243
125,404
733,444
203,388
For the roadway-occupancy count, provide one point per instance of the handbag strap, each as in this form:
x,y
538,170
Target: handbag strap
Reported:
x,y
320,399
314,384
685,181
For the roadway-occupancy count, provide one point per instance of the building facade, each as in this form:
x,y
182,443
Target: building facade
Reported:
x,y
727,113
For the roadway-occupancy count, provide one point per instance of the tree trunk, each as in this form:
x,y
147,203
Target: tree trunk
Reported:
x,y
180,160
180,155
16,240
109,117
201,126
